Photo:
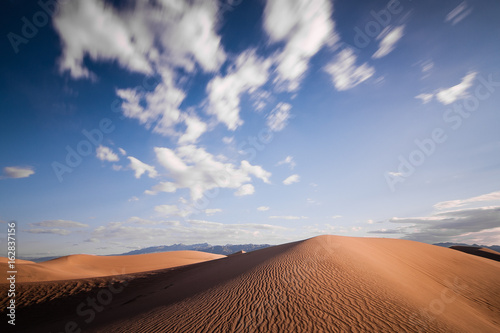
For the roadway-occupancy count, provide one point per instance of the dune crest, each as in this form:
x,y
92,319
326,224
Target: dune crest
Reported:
x,y
89,266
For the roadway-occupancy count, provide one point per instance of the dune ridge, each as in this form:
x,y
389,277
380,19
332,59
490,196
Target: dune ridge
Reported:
x,y
89,266
478,251
323,284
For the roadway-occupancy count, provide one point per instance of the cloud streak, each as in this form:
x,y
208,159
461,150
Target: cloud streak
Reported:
x,y
17,172
344,72
389,38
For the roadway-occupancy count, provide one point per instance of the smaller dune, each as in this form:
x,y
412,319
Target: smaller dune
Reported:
x,y
478,251
237,253
89,266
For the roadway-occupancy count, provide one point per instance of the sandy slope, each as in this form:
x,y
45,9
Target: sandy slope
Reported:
x,y
478,251
88,266
324,284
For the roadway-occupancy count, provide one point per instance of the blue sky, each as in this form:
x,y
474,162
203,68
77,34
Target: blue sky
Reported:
x,y
133,124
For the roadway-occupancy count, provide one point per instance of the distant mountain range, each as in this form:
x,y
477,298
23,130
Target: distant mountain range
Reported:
x,y
492,247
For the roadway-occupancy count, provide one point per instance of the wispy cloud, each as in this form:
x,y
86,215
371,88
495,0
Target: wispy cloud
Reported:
x,y
425,98
212,211
17,172
449,95
292,179
140,168
459,91
288,217
287,161
106,154
246,189
190,232
449,226
344,72
305,26
136,35
55,231
278,117
490,197
224,92
389,38
59,224
172,210
458,13
263,208
195,169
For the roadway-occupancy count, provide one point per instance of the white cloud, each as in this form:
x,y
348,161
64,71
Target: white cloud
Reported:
x,y
134,198
106,154
345,74
335,217
426,98
122,151
449,95
246,189
116,230
278,118
212,211
459,91
194,129
292,179
288,160
159,106
427,66
263,208
139,36
227,140
167,210
141,221
167,187
458,13
153,38
465,224
188,233
390,36
140,168
59,224
116,167
224,92
289,217
90,28
55,231
199,171
305,26
17,172
490,197
311,201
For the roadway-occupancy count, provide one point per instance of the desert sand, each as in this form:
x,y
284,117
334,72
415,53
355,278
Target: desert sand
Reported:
x,y
89,266
478,251
323,284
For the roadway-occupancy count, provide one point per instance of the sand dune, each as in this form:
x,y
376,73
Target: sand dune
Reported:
x,y
324,284
88,266
478,251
